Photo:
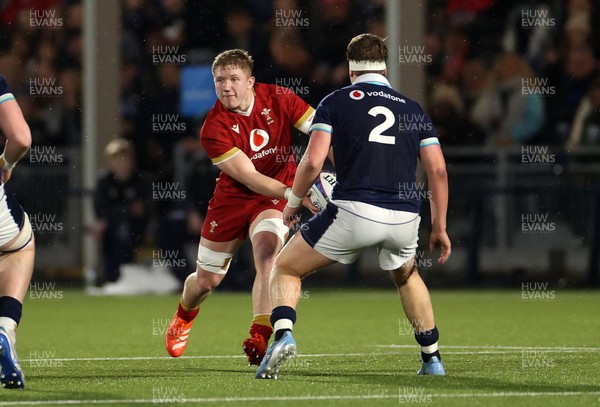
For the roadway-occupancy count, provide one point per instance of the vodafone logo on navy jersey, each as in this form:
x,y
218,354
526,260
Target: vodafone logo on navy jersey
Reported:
x,y
258,139
357,94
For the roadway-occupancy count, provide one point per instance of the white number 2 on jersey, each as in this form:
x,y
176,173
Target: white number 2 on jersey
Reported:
x,y
376,135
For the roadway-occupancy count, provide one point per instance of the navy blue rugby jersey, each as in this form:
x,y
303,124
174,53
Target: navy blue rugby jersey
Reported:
x,y
376,135
5,90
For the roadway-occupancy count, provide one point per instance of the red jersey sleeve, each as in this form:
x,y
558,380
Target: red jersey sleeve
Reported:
x,y
299,112
217,142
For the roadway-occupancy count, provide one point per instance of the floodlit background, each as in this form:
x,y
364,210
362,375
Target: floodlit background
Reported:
x,y
513,91
512,88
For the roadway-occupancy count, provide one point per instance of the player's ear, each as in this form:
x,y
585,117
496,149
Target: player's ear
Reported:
x,y
352,76
251,81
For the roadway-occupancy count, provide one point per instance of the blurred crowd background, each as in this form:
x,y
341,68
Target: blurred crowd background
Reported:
x,y
480,56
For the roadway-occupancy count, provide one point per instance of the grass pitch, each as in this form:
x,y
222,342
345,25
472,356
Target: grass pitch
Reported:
x,y
355,348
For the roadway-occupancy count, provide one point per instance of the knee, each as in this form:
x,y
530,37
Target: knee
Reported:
x,y
401,275
207,281
282,265
265,250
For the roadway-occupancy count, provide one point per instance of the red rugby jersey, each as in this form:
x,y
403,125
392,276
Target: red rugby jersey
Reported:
x,y
263,133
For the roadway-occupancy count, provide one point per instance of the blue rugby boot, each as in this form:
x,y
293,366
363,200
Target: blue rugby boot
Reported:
x,y
11,375
277,353
434,367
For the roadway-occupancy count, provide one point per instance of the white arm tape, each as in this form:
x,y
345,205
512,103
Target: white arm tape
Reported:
x,y
293,200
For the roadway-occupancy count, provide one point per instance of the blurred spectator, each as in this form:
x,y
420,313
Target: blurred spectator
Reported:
x,y
244,33
121,203
479,21
333,24
172,206
289,56
529,31
376,21
161,124
586,126
571,80
508,113
447,113
472,81
578,30
464,38
433,43
455,52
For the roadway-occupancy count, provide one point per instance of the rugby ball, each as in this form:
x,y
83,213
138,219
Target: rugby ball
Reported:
x,y
320,192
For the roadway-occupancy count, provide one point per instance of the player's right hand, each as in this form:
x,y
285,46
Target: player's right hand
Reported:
x,y
443,240
290,216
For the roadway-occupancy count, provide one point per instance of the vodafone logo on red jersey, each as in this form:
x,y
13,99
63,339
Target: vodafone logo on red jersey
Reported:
x,y
258,139
357,94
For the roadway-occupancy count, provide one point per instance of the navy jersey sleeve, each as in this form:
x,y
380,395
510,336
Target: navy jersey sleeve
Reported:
x,y
5,90
427,131
322,120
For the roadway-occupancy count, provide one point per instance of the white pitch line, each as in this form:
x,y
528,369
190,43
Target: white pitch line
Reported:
x,y
486,349
183,400
557,348
316,355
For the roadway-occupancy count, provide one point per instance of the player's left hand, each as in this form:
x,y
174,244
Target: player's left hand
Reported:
x,y
441,238
307,203
290,216
6,176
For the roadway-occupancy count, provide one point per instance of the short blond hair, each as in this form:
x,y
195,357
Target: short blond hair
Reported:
x,y
118,146
236,58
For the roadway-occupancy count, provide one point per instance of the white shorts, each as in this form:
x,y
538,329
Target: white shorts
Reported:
x,y
344,229
12,220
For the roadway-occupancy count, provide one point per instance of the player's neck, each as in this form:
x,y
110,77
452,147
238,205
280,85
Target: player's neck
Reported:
x,y
247,104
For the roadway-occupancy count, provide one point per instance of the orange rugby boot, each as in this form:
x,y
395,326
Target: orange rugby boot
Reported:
x,y
177,335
